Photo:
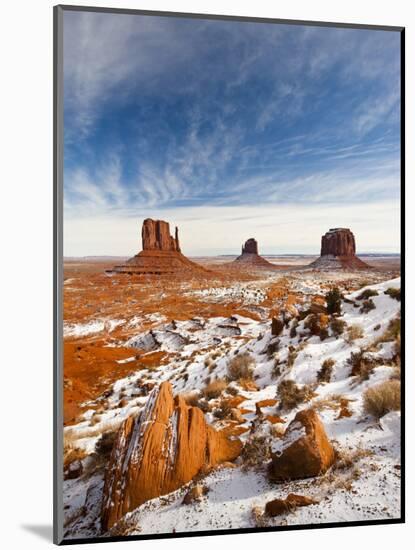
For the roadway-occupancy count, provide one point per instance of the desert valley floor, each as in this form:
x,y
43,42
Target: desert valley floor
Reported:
x,y
125,335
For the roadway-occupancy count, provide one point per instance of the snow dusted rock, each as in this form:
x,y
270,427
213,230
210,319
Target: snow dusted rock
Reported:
x,y
282,506
159,451
304,451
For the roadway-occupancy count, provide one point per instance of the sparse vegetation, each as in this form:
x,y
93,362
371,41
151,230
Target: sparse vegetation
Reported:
x,y
367,293
354,332
241,366
293,329
192,398
324,374
394,293
382,398
215,388
272,348
290,395
105,443
337,326
292,356
256,451
367,306
334,301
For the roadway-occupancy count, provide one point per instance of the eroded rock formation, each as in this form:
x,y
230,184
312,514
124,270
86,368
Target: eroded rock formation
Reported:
x,y
155,235
338,242
250,247
338,250
161,254
305,449
250,258
163,448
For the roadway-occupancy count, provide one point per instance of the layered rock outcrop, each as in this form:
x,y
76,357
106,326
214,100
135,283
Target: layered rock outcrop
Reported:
x,y
338,250
161,254
159,451
305,449
250,257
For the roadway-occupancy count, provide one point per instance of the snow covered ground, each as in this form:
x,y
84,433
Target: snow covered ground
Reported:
x,y
199,351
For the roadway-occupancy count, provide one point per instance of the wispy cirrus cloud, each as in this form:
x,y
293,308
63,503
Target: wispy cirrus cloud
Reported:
x,y
164,113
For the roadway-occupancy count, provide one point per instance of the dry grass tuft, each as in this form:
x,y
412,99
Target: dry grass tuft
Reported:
x,y
256,451
258,517
354,332
215,388
382,398
337,326
291,395
324,374
241,366
192,398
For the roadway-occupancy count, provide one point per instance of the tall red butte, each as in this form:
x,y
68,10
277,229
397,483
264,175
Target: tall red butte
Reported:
x,y
338,250
161,254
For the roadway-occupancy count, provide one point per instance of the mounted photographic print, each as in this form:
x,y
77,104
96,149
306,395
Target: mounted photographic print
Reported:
x,y
228,288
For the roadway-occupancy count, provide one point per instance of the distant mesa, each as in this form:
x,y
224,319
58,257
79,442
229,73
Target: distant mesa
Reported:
x,y
161,254
338,251
250,256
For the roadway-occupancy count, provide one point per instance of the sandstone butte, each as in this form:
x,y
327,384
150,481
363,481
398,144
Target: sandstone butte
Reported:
x,y
338,250
306,449
250,257
161,253
160,450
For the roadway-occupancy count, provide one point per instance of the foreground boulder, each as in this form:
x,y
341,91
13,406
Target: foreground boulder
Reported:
x,y
282,506
159,451
304,451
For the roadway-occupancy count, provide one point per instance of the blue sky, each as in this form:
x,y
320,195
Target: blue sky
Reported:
x,y
230,130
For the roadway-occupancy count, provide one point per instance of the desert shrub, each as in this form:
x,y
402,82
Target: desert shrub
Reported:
x,y
272,348
105,443
382,398
362,366
192,398
223,411
291,395
232,390
334,301
276,369
241,366
293,329
354,332
215,388
324,333
368,293
337,326
71,453
259,517
393,330
312,323
355,360
377,327
394,293
324,374
256,451
292,356
367,306
277,326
